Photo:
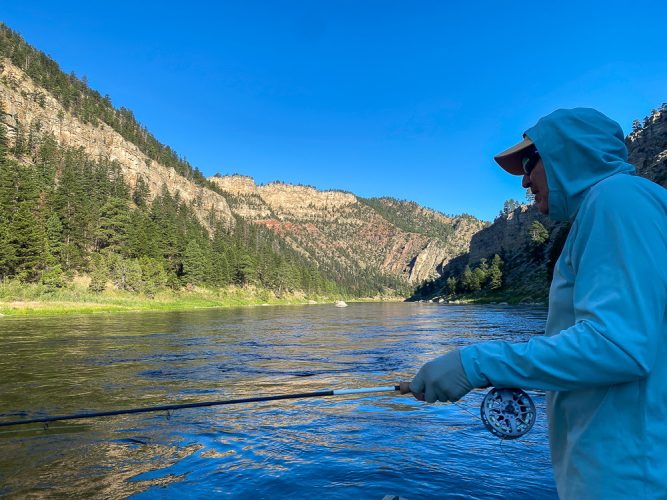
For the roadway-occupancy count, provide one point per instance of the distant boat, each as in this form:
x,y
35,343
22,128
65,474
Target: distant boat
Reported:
x,y
341,303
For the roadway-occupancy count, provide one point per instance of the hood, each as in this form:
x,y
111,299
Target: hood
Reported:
x,y
579,148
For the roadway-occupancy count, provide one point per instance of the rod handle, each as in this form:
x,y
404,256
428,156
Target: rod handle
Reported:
x,y
404,387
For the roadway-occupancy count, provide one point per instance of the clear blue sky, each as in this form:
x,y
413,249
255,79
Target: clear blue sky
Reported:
x,y
397,98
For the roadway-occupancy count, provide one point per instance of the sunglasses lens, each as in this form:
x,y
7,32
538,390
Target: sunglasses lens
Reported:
x,y
529,162
526,166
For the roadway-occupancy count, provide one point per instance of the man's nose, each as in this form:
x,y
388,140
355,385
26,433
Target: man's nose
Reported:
x,y
525,181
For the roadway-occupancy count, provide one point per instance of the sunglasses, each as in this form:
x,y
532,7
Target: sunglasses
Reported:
x,y
530,161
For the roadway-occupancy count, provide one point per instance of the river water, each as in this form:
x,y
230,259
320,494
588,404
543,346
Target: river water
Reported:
x,y
364,446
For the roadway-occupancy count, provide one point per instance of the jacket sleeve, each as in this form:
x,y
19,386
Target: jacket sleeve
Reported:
x,y
620,299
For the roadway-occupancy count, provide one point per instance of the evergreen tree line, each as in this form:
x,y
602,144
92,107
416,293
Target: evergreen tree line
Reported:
x,y
67,213
481,277
62,213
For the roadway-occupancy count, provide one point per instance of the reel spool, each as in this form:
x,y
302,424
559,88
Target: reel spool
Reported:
x,y
508,413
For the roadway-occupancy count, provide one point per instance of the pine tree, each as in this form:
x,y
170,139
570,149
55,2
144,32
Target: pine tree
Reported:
x,y
72,203
539,235
467,279
28,239
99,274
495,273
112,226
482,272
246,272
194,264
7,252
54,235
451,285
153,275
141,193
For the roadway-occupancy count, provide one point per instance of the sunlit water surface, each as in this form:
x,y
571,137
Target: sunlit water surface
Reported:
x,y
364,446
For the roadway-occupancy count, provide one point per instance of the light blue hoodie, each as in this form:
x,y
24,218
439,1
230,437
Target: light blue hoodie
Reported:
x,y
604,355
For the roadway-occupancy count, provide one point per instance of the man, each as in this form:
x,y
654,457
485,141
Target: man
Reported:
x,y
603,358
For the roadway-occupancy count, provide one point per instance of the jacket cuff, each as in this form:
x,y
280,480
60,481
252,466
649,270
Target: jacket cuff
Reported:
x,y
470,362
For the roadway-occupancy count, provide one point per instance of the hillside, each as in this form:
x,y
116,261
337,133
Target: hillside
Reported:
x,y
339,229
58,128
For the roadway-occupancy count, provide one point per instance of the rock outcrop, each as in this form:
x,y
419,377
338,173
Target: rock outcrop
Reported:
x,y
338,228
647,147
27,106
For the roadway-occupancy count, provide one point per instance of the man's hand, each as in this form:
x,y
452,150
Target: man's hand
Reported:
x,y
442,379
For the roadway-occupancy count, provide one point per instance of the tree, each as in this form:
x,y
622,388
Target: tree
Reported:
x,y
153,275
469,281
52,276
28,239
140,193
539,235
495,273
99,275
509,206
54,235
112,225
481,272
7,252
246,272
194,264
451,284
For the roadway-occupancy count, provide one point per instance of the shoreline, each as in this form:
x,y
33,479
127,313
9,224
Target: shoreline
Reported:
x,y
32,302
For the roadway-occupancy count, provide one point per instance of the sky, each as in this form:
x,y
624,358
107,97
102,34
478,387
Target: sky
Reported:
x,y
380,98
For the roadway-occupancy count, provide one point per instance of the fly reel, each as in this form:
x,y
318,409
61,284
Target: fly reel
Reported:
x,y
508,413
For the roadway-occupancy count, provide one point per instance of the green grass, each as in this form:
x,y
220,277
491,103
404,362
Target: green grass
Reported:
x,y
18,299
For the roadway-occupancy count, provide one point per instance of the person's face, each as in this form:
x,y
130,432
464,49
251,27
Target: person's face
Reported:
x,y
537,182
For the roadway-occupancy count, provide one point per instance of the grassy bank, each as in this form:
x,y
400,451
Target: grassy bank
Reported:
x,y
493,297
34,300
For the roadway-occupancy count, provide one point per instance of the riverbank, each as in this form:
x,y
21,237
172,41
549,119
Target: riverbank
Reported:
x,y
490,297
35,300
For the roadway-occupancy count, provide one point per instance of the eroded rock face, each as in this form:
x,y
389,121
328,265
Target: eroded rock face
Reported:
x,y
25,104
647,147
335,227
508,235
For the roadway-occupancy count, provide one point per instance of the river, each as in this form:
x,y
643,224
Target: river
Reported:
x,y
364,446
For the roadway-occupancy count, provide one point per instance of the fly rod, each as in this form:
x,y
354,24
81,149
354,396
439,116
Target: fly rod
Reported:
x,y
506,413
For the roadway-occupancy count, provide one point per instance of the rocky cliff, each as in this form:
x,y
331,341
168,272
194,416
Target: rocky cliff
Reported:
x,y
338,228
334,229
30,109
647,146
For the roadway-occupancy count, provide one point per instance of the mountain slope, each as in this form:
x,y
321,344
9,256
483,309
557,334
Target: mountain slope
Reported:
x,y
350,239
337,228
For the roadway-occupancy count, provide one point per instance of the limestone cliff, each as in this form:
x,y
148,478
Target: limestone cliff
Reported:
x,y
28,107
338,228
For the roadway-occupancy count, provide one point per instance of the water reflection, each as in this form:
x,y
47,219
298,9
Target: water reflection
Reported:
x,y
365,446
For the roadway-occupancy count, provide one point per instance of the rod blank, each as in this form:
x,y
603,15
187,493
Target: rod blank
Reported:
x,y
148,409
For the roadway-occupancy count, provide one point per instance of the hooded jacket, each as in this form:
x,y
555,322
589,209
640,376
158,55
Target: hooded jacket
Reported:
x,y
603,358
